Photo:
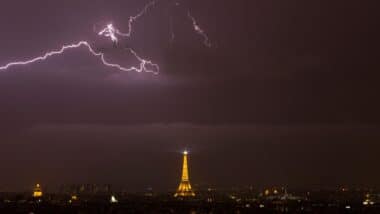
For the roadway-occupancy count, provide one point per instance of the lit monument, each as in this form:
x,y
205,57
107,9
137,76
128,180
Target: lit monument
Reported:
x,y
37,191
184,188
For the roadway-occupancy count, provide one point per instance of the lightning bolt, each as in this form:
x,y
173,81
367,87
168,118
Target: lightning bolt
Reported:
x,y
199,30
132,19
143,66
172,34
111,32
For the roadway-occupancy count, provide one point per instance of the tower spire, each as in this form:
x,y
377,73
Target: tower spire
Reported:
x,y
184,188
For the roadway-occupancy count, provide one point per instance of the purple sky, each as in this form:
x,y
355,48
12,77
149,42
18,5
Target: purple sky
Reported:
x,y
288,95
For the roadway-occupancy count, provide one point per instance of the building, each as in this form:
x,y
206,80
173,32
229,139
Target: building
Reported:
x,y
184,188
37,191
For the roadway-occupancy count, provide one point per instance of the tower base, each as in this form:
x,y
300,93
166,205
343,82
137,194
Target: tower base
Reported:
x,y
184,190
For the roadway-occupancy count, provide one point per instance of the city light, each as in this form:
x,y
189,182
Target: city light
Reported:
x,y
113,199
37,191
184,188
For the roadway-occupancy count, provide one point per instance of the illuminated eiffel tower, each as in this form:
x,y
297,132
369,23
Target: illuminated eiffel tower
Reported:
x,y
184,188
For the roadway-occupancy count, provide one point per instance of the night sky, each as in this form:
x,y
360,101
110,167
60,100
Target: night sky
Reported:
x,y
287,95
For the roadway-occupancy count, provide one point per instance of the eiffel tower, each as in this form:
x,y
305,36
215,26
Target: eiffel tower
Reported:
x,y
184,188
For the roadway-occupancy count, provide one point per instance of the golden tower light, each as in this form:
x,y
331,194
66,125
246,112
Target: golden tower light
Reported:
x,y
37,191
184,188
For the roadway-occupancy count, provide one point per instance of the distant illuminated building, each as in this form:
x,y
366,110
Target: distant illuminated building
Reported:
x,y
368,200
184,188
37,191
113,199
73,199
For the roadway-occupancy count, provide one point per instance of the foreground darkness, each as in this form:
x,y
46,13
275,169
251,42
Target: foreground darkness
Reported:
x,y
288,95
238,200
